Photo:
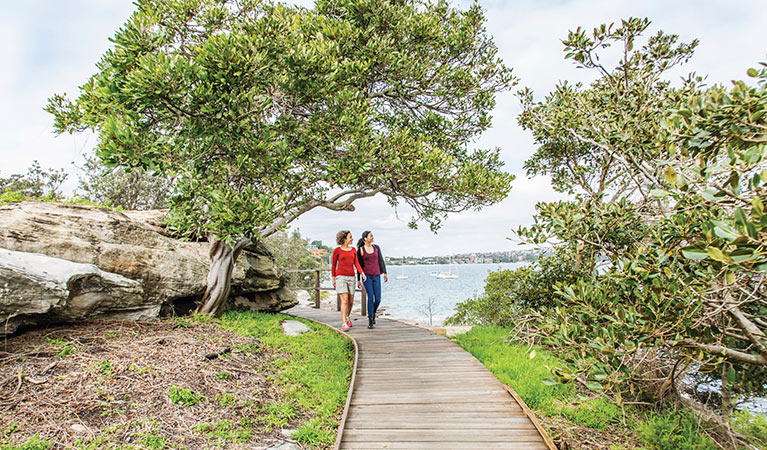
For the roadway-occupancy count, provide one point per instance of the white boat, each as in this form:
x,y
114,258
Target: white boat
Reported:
x,y
401,275
433,274
449,273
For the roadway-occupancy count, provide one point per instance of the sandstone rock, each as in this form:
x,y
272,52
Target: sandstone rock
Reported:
x,y
294,327
133,244
35,288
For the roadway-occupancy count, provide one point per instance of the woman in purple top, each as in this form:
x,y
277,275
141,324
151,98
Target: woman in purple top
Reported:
x,y
372,261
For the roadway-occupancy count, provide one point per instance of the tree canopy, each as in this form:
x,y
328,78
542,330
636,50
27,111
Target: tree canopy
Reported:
x,y
261,112
264,111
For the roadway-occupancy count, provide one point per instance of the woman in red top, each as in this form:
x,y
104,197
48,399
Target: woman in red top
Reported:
x,y
342,267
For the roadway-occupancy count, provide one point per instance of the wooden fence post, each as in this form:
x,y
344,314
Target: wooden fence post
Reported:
x,y
317,288
364,308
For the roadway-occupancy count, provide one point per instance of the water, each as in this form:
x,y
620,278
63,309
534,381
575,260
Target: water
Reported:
x,y
409,298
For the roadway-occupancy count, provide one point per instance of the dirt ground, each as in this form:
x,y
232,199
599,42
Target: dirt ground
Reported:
x,y
108,383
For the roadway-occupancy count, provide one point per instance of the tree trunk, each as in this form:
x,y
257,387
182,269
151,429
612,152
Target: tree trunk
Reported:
x,y
222,258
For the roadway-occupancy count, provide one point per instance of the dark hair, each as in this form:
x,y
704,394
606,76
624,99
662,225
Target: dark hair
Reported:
x,y
361,242
341,236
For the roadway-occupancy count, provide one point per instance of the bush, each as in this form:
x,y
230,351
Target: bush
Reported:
x,y
508,293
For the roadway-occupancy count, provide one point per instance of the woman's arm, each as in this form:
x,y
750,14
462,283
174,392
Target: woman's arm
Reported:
x,y
359,269
361,261
333,263
381,262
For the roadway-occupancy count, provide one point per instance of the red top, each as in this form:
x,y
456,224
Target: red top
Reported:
x,y
346,262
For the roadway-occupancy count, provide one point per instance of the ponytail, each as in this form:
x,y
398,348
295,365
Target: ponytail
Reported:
x,y
361,241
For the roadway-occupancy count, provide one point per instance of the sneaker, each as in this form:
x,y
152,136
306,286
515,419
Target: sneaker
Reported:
x,y
349,322
345,327
371,323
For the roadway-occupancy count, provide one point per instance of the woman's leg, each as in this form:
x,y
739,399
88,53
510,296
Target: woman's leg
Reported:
x,y
368,284
349,306
344,311
377,291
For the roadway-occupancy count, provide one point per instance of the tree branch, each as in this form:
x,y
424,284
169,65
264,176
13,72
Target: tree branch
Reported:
x,y
730,354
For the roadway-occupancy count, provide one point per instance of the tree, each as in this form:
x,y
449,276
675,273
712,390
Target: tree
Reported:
x,y
135,189
668,207
263,112
291,252
37,183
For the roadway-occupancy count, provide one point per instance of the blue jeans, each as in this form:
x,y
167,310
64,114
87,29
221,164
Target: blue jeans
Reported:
x,y
373,289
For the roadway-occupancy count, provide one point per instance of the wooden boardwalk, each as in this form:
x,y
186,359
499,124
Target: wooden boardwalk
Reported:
x,y
414,389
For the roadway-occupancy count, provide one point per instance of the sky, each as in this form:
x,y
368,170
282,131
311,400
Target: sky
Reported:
x,y
52,46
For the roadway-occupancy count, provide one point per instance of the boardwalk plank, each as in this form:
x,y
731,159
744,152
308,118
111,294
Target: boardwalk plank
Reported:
x,y
417,390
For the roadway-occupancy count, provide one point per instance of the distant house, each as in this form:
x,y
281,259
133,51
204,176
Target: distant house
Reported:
x,y
318,252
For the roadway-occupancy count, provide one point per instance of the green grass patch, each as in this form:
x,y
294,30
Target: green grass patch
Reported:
x,y
675,430
225,399
278,415
313,374
595,413
227,431
512,365
184,396
754,425
66,347
33,443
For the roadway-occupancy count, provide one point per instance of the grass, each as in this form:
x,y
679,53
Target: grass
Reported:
x,y
312,374
751,425
513,365
675,430
525,369
184,396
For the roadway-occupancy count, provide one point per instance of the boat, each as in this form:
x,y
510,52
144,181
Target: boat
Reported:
x,y
433,273
401,275
449,273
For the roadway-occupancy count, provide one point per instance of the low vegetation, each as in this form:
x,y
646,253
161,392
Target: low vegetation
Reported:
x,y
110,385
578,417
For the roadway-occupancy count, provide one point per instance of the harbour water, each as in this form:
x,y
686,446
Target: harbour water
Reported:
x,y
410,298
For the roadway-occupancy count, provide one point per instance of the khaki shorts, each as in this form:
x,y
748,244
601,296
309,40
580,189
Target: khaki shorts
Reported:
x,y
345,284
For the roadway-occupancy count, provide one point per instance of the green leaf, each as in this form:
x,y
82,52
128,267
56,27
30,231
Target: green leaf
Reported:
x,y
594,386
725,231
716,254
670,175
696,254
752,72
659,193
756,202
740,216
741,254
